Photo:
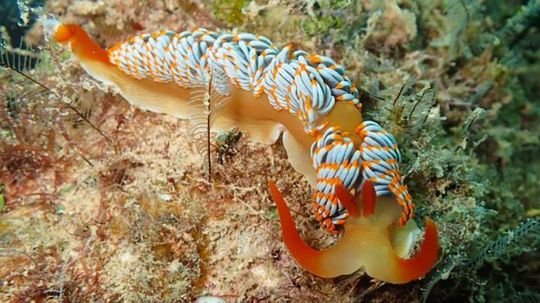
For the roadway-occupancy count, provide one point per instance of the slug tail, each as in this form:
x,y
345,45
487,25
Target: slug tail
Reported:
x,y
81,44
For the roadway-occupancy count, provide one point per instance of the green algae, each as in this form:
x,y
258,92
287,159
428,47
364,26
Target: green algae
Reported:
x,y
229,11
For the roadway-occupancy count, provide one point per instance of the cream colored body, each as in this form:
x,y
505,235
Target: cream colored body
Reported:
x,y
253,116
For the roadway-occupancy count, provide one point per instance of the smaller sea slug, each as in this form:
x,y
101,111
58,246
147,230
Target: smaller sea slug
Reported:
x,y
352,163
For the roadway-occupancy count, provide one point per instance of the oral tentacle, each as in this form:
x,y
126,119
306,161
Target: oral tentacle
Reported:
x,y
424,260
340,259
382,262
301,252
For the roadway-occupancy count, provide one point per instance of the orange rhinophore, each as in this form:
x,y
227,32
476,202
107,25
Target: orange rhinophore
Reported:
x,y
268,92
369,197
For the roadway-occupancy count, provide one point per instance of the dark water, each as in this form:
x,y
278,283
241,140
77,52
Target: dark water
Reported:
x,y
17,17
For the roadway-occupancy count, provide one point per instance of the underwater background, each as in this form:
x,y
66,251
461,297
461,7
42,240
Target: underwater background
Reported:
x,y
103,202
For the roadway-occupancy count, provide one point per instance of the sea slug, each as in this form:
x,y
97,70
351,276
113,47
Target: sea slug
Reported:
x,y
306,98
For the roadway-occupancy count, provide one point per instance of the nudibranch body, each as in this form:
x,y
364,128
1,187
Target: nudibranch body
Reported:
x,y
272,91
